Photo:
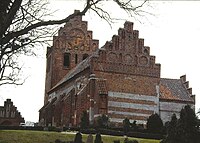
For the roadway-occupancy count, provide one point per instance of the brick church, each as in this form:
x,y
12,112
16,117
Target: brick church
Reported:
x,y
120,79
9,115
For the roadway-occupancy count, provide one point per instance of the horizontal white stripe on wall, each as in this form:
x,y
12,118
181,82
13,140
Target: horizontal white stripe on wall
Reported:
x,y
166,116
132,105
171,107
128,113
133,96
117,120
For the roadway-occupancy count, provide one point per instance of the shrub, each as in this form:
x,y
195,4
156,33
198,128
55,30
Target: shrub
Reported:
x,y
145,135
126,125
183,130
126,140
133,141
134,126
116,141
111,132
102,121
84,120
114,132
36,128
154,123
78,138
51,128
98,138
88,131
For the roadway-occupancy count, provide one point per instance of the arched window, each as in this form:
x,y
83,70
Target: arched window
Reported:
x,y
66,62
110,47
146,52
85,56
13,114
120,57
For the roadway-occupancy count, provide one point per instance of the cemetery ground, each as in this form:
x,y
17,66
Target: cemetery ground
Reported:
x,y
24,136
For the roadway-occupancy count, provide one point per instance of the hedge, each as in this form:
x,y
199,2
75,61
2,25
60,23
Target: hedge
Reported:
x,y
145,135
36,128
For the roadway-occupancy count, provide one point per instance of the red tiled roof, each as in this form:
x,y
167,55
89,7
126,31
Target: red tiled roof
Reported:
x,y
173,89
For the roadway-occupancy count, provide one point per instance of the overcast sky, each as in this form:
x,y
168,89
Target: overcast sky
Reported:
x,y
173,35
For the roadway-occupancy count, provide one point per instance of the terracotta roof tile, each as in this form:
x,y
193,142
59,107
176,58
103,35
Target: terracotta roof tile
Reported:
x,y
166,93
173,89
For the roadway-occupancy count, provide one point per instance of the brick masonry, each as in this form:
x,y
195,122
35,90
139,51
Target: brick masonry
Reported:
x,y
74,39
9,115
121,79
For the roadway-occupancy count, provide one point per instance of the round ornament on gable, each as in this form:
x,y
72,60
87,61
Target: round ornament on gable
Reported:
x,y
143,60
112,57
77,38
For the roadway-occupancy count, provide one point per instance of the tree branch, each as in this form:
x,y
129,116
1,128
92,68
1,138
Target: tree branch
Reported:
x,y
11,35
10,16
22,27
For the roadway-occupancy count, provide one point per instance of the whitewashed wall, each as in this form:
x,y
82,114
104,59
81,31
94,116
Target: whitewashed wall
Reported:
x,y
167,109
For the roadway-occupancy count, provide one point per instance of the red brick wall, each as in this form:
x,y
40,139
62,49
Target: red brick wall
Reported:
x,y
73,38
125,63
129,83
9,115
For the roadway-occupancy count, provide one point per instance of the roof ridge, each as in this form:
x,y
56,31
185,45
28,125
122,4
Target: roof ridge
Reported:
x,y
170,78
175,88
73,72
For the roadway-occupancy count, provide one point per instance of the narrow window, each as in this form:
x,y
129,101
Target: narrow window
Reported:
x,y
1,113
13,114
120,57
76,58
123,34
110,47
85,56
66,60
146,52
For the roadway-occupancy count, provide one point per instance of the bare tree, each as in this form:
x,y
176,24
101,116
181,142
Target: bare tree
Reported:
x,y
22,26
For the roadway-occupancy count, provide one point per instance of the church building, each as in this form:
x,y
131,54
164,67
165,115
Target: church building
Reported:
x,y
9,115
121,79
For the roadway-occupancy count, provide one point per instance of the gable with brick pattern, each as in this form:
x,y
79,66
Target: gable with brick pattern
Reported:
x,y
9,115
120,79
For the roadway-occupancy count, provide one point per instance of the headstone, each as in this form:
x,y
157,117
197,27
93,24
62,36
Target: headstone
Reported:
x,y
89,139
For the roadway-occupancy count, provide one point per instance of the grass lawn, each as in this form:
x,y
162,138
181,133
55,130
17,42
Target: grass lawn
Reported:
x,y
22,136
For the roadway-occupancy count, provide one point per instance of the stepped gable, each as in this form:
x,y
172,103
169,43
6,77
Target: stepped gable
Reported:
x,y
82,77
75,36
73,44
126,53
9,115
176,89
